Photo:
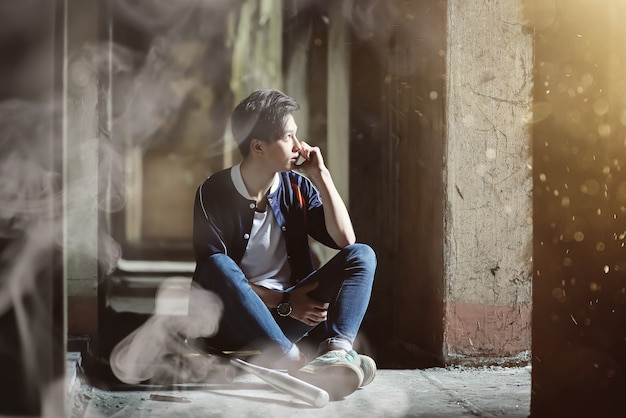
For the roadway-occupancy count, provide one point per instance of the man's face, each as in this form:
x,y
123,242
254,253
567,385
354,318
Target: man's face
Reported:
x,y
283,152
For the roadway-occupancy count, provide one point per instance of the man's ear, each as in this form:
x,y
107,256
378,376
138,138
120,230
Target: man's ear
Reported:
x,y
256,145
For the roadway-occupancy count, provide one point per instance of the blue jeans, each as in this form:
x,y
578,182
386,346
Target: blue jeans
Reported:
x,y
345,282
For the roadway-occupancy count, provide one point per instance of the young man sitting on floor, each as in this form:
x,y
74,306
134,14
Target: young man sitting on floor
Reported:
x,y
251,231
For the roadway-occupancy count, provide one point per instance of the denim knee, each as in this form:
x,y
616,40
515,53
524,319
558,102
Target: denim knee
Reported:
x,y
218,270
361,254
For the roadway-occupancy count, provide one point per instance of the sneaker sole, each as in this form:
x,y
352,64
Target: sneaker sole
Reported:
x,y
339,381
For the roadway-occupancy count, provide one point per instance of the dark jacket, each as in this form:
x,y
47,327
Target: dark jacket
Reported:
x,y
223,219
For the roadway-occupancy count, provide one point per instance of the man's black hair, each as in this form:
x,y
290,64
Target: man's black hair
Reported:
x,y
261,116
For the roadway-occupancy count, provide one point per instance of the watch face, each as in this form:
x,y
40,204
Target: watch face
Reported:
x,y
284,309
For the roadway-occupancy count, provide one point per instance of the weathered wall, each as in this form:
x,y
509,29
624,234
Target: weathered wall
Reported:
x,y
488,181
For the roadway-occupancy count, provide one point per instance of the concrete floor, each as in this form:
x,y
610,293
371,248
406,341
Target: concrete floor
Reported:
x,y
491,391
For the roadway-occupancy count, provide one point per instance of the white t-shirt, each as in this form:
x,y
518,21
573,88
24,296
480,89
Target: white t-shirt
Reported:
x,y
265,260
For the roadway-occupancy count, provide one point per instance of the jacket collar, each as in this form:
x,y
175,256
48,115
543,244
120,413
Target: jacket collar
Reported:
x,y
235,175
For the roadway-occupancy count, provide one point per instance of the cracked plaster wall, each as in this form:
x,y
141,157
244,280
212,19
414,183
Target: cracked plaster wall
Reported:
x,y
488,214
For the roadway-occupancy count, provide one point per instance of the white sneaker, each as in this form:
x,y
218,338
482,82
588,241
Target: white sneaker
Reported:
x,y
337,372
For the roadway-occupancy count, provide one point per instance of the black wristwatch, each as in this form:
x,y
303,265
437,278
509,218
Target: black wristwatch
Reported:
x,y
284,308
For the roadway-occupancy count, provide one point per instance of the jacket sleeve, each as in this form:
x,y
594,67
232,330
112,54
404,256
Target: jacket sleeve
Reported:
x,y
316,225
208,238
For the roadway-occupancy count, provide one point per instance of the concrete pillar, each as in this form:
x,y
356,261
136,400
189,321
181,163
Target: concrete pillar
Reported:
x,y
80,169
338,100
487,178
257,57
296,77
